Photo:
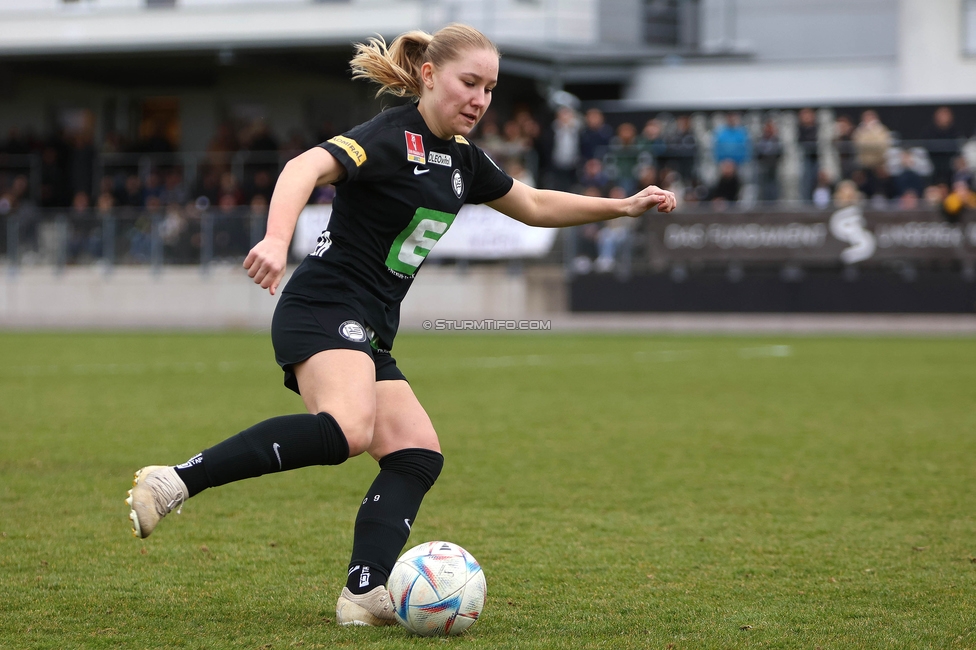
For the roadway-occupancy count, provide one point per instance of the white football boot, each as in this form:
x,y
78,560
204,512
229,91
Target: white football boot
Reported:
x,y
156,490
373,608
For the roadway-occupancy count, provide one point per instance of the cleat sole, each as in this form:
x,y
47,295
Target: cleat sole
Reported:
x,y
133,517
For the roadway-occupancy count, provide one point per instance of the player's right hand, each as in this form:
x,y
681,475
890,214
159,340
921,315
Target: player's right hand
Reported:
x,y
266,263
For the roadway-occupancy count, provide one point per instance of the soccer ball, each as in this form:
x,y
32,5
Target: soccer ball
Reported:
x,y
438,589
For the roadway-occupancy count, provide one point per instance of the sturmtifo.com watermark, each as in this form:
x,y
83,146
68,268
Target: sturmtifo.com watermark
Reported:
x,y
487,325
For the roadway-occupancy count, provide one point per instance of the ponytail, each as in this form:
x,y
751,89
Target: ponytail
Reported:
x,y
397,68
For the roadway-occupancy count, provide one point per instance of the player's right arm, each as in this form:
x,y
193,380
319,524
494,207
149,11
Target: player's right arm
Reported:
x,y
268,259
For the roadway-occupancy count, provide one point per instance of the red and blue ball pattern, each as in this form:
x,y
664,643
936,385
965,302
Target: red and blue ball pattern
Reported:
x,y
438,589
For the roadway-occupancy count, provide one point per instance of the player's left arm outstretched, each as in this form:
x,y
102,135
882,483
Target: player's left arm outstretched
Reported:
x,y
553,209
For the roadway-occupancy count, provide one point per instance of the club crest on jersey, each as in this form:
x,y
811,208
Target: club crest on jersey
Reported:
x,y
415,148
435,158
457,183
352,331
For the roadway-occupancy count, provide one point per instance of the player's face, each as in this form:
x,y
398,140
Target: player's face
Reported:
x,y
458,93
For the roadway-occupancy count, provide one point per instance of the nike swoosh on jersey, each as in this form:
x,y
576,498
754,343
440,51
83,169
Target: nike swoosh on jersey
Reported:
x,y
417,171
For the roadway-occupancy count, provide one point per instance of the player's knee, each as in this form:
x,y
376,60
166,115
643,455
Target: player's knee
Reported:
x,y
357,426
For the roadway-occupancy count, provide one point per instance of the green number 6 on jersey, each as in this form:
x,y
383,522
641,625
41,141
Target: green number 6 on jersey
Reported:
x,y
415,242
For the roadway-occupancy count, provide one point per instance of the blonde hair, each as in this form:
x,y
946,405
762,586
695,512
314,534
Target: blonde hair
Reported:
x,y
397,68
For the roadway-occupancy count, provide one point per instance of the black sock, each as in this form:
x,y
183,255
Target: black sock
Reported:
x,y
387,513
275,445
363,578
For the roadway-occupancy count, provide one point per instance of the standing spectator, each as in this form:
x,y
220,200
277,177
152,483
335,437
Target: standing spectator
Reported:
x,y
622,157
131,194
909,180
681,149
79,227
513,144
515,168
104,211
585,240
613,240
172,231
207,189
539,148
807,135
221,146
961,171
261,138
153,188
262,184
230,193
843,133
871,142
646,176
651,140
728,185
769,150
885,187
565,155
593,176
173,190
942,142
263,146
55,184
595,138
732,140
82,160
823,191
489,137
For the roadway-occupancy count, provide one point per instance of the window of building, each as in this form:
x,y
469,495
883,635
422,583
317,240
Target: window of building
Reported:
x,y
671,22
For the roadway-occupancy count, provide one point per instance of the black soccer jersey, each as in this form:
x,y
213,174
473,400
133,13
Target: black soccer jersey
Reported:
x,y
402,190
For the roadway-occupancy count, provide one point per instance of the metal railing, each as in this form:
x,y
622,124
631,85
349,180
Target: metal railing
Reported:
x,y
124,236
190,167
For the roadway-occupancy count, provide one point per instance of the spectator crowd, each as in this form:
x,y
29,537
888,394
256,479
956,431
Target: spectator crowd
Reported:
x,y
736,161
142,185
827,161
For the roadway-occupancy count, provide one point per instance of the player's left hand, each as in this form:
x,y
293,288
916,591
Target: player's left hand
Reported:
x,y
650,196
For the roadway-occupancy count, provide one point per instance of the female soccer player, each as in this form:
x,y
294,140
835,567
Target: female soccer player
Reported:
x,y
400,180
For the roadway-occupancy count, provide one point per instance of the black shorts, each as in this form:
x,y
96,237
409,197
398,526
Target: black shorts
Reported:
x,y
303,327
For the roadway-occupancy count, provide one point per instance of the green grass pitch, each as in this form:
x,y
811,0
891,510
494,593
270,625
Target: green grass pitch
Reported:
x,y
619,491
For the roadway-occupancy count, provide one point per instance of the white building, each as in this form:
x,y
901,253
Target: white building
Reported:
x,y
195,62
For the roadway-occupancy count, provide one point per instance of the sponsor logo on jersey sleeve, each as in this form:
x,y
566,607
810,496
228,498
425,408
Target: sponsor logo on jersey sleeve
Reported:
x,y
457,183
435,158
352,331
415,148
460,139
351,147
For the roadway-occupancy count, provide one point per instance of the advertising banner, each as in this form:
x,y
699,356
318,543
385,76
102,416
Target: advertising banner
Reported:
x,y
849,235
